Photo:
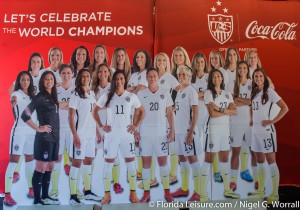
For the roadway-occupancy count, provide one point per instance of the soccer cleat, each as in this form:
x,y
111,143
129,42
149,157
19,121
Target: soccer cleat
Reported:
x,y
257,194
256,185
118,188
232,186
16,177
194,197
230,194
272,197
218,178
50,201
173,180
146,197
180,193
8,200
54,194
168,196
79,194
245,175
132,197
153,183
139,176
39,203
203,198
74,200
67,168
106,199
92,196
30,193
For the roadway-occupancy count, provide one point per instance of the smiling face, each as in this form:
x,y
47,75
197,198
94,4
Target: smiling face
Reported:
x,y
200,64
141,60
80,56
217,79
243,70
48,82
120,81
152,78
161,62
259,79
121,57
215,60
103,73
66,74
179,58
85,79
253,60
24,82
55,57
232,56
99,55
183,76
36,63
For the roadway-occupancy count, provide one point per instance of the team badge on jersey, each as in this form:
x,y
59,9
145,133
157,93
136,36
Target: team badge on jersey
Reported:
x,y
249,87
162,96
211,145
105,151
183,95
162,81
140,77
230,139
78,152
16,147
227,96
46,155
127,98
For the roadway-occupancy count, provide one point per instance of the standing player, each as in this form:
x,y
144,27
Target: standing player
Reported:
x,y
64,92
82,145
152,136
80,59
199,82
220,106
119,131
240,125
179,57
264,141
21,137
46,142
99,56
187,142
120,61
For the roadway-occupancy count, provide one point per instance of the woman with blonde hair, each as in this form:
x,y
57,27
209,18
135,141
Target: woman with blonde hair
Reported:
x,y
179,57
120,61
99,56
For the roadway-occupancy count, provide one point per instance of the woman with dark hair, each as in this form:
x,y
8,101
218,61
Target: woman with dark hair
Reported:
x,y
80,59
220,106
120,61
46,142
264,141
82,145
141,62
22,136
232,58
119,130
100,56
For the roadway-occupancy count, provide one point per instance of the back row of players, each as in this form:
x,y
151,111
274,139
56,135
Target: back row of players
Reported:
x,y
206,96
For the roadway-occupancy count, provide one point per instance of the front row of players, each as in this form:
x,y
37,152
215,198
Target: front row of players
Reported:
x,y
153,115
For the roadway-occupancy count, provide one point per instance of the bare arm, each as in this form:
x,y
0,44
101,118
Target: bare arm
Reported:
x,y
283,110
215,111
189,137
73,128
106,128
138,116
170,118
64,105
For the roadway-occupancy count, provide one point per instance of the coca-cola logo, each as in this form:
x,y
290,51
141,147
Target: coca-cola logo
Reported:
x,y
280,31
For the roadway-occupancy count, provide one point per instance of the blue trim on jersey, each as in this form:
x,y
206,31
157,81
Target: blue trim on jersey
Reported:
x,y
16,114
274,150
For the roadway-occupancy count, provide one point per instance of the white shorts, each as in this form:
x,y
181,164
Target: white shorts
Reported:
x,y
158,144
264,142
217,142
238,132
21,144
64,141
182,148
202,136
87,149
113,143
100,145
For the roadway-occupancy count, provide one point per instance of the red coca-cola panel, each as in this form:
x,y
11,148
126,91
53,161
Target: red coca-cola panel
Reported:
x,y
270,27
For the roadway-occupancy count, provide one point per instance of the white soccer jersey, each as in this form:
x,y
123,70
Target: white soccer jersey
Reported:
x,y
36,80
118,110
226,77
62,96
168,81
184,101
56,74
85,123
231,75
222,100
155,104
20,127
138,78
201,85
102,113
262,111
243,112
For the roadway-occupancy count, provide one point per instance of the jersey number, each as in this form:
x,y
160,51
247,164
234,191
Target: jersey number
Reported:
x,y
164,146
188,148
65,99
131,147
243,95
268,143
121,109
223,105
154,106
255,105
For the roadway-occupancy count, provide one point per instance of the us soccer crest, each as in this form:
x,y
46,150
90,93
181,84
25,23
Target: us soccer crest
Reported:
x,y
46,155
16,147
127,99
249,87
220,25
183,95
162,96
211,145
162,81
78,152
